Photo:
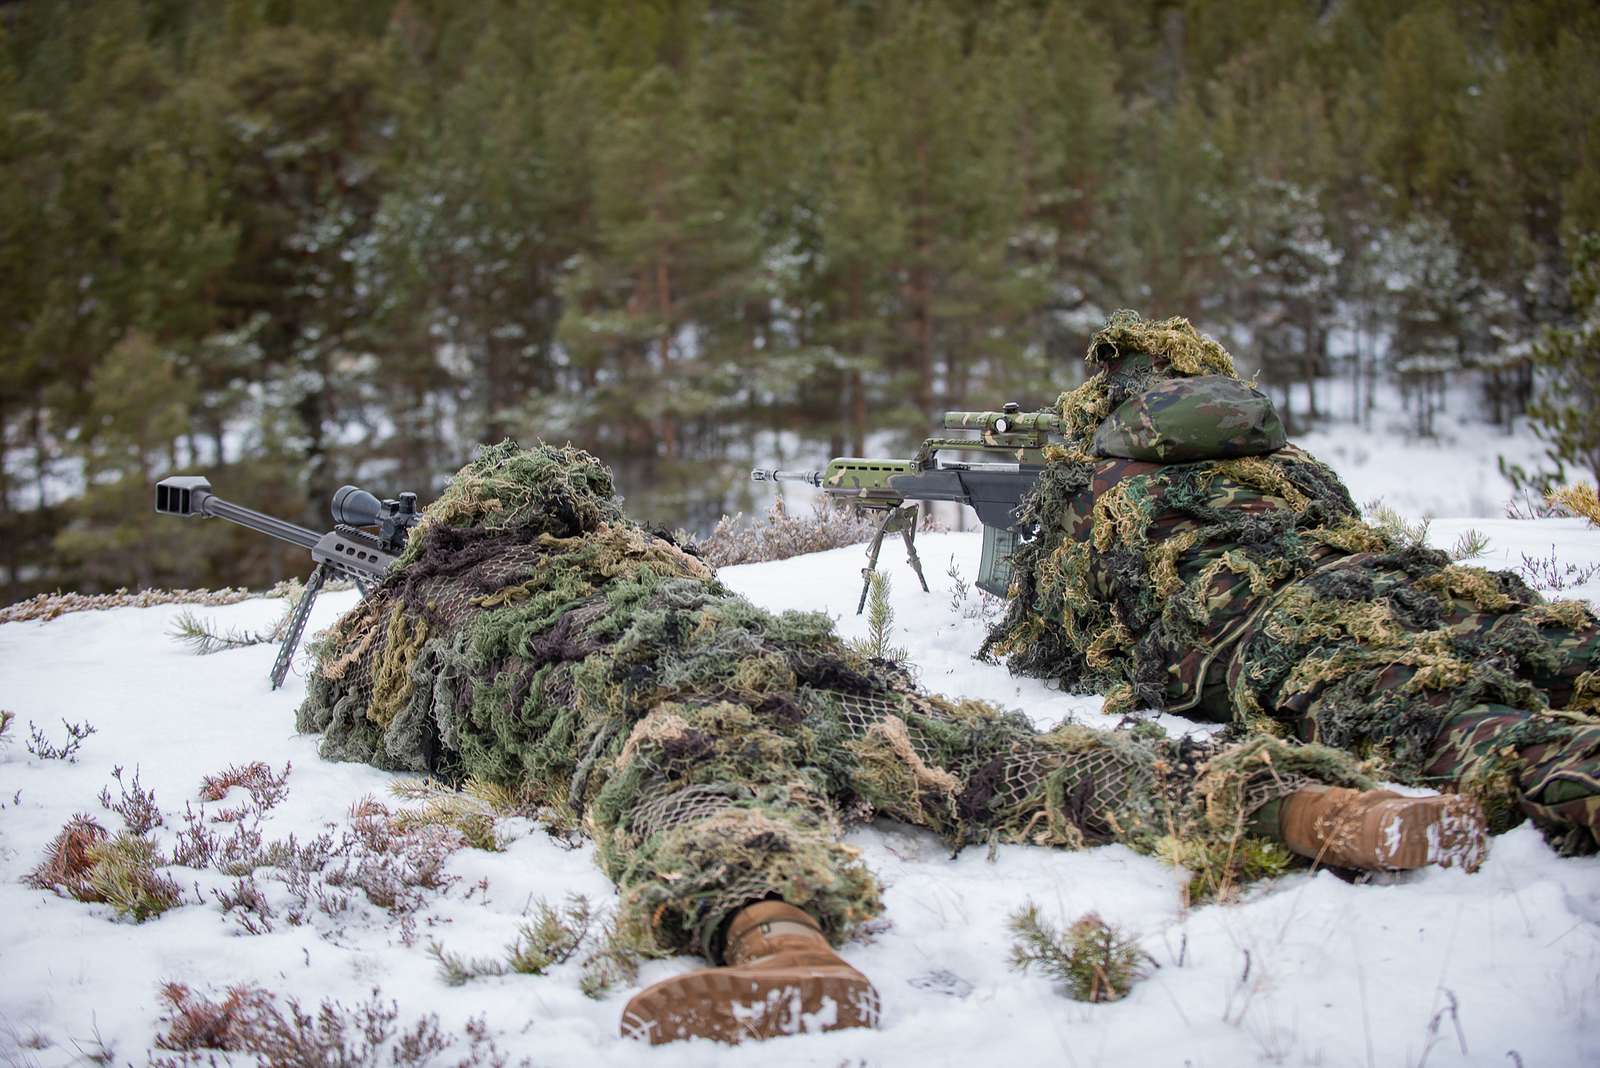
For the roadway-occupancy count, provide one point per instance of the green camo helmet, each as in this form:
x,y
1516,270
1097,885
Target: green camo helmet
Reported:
x,y
1208,417
1130,343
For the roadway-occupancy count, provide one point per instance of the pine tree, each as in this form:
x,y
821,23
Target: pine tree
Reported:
x,y
138,409
1567,410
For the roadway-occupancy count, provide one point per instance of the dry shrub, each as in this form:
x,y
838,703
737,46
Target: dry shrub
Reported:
x,y
736,540
86,864
195,1022
138,809
43,748
1578,500
265,786
247,1020
66,866
392,864
1092,959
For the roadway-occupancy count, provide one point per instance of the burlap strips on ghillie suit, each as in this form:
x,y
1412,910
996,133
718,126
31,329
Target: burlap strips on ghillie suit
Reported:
x,y
533,637
1248,589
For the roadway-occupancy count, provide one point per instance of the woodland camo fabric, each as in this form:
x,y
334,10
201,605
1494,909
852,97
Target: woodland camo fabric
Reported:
x,y
532,637
1248,589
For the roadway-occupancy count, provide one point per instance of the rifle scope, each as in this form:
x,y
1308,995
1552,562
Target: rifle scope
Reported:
x,y
1012,420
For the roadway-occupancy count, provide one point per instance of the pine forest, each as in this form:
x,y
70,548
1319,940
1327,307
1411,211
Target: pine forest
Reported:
x,y
292,244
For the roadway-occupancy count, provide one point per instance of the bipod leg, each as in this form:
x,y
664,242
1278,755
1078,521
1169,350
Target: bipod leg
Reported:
x,y
908,531
872,560
297,624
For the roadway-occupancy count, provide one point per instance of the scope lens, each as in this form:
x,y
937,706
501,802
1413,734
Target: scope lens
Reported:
x,y
355,507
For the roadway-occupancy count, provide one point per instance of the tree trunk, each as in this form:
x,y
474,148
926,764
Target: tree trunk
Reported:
x,y
858,387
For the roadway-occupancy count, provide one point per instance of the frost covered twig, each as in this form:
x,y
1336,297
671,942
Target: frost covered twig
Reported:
x,y
1547,573
44,749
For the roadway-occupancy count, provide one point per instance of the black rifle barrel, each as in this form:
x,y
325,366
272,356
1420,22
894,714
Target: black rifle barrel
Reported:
x,y
260,522
190,495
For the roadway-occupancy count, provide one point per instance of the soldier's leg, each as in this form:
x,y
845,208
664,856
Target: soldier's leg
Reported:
x,y
1227,813
1545,766
723,842
1432,671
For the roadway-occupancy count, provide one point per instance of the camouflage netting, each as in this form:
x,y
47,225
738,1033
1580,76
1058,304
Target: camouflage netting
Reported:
x,y
1249,589
534,638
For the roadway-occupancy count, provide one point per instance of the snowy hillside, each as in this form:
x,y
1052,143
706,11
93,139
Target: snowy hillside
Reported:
x,y
1439,967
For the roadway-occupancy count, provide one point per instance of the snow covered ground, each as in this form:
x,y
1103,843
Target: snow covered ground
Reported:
x,y
1434,967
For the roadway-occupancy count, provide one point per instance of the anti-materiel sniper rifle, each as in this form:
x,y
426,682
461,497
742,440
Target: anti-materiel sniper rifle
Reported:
x,y
346,551
1008,458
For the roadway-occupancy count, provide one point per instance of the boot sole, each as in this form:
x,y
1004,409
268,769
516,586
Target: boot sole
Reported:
x,y
734,1005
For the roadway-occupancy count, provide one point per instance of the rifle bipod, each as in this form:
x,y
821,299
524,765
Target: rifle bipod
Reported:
x,y
900,520
297,624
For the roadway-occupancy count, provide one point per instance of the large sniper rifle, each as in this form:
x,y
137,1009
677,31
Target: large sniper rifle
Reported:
x,y
346,551
991,473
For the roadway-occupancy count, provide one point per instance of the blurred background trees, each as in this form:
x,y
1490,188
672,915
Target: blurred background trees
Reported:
x,y
295,243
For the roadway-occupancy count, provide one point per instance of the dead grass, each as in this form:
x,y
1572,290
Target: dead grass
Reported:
x,y
47,606
779,535
1578,500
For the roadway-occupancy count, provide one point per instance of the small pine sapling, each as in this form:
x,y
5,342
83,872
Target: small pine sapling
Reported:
x,y
1092,959
552,937
457,970
203,637
1393,525
958,586
880,623
1470,545
444,806
614,962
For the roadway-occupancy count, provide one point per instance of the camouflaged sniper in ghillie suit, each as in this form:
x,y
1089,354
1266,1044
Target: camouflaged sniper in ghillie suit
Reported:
x,y
533,637
1210,569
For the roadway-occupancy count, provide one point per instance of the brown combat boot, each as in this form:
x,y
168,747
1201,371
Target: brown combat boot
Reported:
x,y
1380,830
782,978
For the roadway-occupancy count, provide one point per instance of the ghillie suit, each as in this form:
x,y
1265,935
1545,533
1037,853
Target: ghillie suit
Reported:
x,y
531,636
1189,559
